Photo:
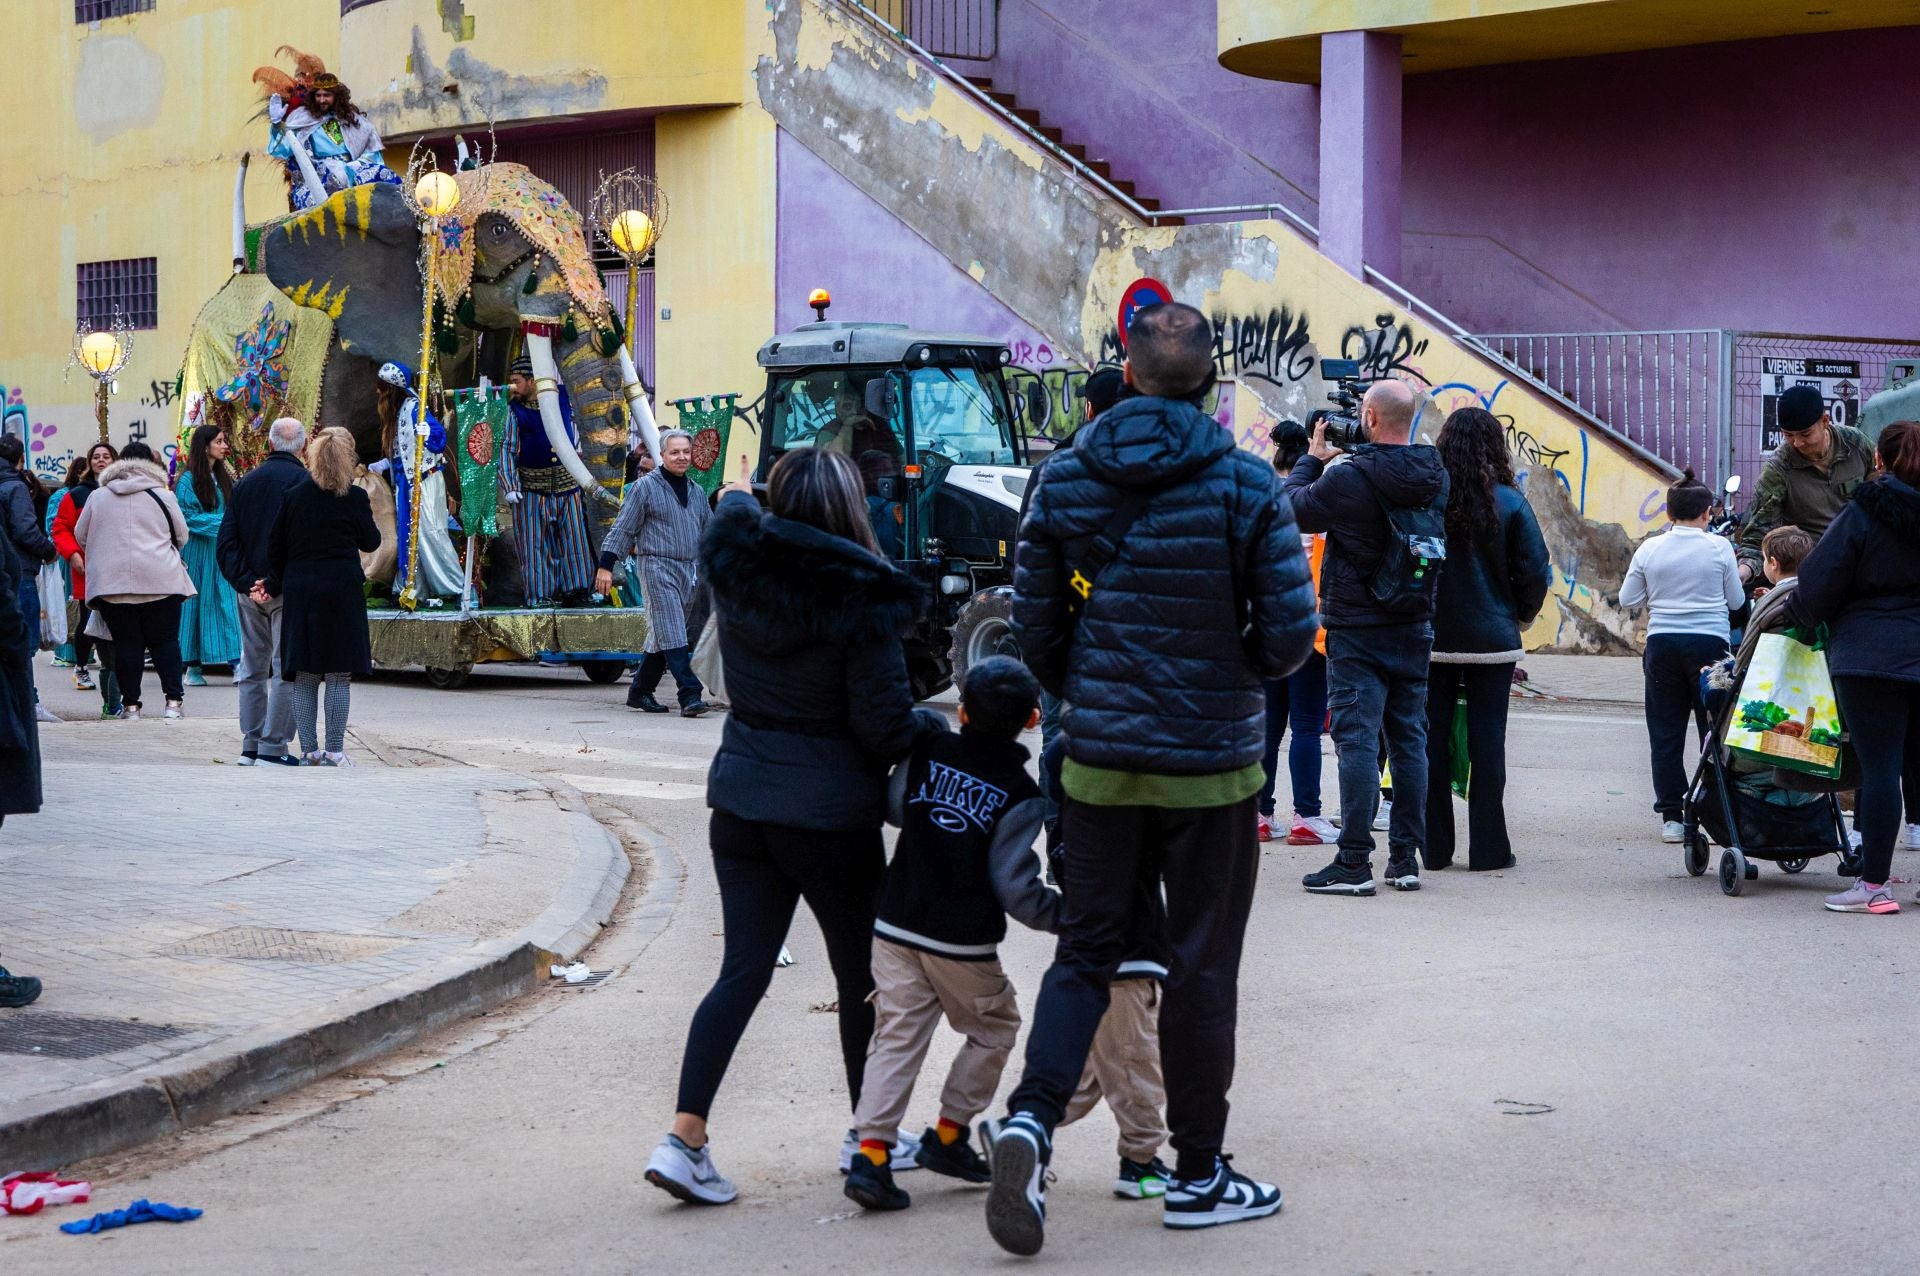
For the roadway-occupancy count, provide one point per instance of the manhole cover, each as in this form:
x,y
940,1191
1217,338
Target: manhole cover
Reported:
x,y
51,1034
266,943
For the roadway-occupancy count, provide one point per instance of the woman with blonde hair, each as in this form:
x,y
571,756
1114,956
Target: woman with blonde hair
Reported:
x,y
313,561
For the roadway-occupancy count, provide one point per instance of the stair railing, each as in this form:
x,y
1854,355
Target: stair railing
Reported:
x,y
1080,168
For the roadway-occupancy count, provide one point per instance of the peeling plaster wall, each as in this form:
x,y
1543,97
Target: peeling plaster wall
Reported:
x,y
416,67
1059,257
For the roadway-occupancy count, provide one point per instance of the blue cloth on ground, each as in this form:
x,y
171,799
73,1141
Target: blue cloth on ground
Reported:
x,y
141,1211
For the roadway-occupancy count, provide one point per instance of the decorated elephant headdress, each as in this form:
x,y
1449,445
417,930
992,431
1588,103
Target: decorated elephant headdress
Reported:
x,y
543,217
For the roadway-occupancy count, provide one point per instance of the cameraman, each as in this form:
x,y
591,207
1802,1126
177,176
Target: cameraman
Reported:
x,y
1376,656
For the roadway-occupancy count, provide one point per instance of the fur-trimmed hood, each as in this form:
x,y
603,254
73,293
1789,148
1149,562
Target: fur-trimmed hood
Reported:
x,y
133,475
1893,505
792,585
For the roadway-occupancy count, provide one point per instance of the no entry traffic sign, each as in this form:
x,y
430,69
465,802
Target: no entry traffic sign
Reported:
x,y
1140,293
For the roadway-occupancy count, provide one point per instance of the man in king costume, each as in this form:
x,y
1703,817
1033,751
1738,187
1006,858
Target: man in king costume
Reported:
x,y
660,524
312,115
549,510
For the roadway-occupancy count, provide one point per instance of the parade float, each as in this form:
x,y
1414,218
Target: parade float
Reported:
x,y
455,323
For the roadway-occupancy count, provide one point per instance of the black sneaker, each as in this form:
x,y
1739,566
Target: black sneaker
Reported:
x,y
1017,1202
694,708
646,704
1341,878
1404,874
956,1160
17,990
1142,1180
1227,1197
873,1187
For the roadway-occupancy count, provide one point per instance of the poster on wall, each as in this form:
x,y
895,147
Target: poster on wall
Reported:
x,y
1837,380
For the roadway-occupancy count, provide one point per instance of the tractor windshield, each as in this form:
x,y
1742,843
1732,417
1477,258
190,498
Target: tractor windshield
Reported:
x,y
960,417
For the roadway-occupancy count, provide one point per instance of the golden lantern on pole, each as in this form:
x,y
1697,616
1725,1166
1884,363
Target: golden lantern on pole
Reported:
x,y
435,199
628,213
101,354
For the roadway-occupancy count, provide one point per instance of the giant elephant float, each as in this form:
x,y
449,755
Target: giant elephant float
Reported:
x,y
513,262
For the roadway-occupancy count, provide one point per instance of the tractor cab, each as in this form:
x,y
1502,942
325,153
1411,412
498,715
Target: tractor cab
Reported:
x,y
924,416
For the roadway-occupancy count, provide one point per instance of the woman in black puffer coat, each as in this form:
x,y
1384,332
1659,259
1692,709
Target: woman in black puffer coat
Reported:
x,y
1493,585
811,620
1863,581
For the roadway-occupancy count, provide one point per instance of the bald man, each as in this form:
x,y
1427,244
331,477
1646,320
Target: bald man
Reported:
x,y
1377,651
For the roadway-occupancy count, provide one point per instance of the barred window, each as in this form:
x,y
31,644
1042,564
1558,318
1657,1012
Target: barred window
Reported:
x,y
94,10
129,287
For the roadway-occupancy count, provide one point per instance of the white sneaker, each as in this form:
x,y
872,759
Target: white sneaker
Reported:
x,y
1381,817
175,709
131,713
43,714
1913,837
1228,1197
689,1174
1673,832
1312,830
905,1155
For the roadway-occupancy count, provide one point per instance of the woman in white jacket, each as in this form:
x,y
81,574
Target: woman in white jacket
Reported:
x,y
130,534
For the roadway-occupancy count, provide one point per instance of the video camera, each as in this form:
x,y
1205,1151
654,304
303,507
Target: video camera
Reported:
x,y
1344,427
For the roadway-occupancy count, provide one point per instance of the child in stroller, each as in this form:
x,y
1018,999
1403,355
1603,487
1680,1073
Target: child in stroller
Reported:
x,y
1754,811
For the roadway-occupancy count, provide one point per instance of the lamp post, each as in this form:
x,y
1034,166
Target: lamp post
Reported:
x,y
628,213
101,353
433,196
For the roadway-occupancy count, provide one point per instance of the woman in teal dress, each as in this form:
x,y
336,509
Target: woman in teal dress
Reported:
x,y
209,621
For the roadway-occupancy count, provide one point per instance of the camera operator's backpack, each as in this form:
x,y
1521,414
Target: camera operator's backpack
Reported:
x,y
1408,572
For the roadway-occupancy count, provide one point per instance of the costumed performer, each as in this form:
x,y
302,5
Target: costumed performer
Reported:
x,y
660,523
210,619
441,575
314,111
549,510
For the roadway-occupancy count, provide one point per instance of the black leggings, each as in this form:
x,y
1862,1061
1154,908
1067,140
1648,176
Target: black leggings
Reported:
x,y
764,870
1883,718
139,628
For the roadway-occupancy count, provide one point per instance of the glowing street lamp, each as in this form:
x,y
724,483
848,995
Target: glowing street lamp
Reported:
x,y
101,354
628,213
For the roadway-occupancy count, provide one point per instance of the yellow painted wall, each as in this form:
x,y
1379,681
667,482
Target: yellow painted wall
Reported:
x,y
1280,39
715,266
124,139
518,61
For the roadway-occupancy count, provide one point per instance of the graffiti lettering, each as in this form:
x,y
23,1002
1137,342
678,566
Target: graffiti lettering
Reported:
x,y
1532,450
1270,347
159,394
1048,402
1383,350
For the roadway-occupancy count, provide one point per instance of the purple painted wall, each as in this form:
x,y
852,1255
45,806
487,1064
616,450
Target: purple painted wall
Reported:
x,y
831,235
1760,184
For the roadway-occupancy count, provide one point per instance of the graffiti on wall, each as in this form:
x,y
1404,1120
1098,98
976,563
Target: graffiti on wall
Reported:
x,y
55,434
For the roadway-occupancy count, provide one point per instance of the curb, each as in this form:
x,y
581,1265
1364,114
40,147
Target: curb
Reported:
x,y
209,1083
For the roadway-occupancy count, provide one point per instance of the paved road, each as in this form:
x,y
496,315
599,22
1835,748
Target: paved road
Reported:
x,y
1592,1063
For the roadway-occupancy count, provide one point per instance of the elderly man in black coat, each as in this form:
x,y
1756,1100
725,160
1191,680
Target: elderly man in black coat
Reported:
x,y
1160,578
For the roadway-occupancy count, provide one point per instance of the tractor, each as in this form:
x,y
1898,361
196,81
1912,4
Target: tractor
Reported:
x,y
926,418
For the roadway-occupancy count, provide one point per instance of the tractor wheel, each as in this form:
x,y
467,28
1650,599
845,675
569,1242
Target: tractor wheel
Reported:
x,y
985,628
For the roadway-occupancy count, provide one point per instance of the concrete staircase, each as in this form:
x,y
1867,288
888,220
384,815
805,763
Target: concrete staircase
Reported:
x,y
1045,230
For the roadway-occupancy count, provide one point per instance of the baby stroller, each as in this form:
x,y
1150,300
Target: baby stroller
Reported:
x,y
1753,811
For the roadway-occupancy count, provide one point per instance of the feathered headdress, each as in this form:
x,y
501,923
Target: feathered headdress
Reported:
x,y
293,87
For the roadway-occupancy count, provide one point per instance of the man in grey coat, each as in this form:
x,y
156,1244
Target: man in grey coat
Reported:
x,y
660,525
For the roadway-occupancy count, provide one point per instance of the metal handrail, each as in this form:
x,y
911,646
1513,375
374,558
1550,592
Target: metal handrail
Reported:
x,y
1514,371
1079,166
1601,332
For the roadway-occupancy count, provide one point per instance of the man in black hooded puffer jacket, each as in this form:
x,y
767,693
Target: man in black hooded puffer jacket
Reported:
x,y
1206,594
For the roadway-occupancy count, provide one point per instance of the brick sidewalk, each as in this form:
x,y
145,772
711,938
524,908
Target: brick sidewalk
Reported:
x,y
175,904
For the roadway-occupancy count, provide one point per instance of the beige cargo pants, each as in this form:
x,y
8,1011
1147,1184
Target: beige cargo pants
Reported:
x,y
912,992
1124,1067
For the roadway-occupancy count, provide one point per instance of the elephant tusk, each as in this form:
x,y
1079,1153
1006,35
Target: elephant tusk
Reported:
x,y
546,379
240,216
316,189
637,406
